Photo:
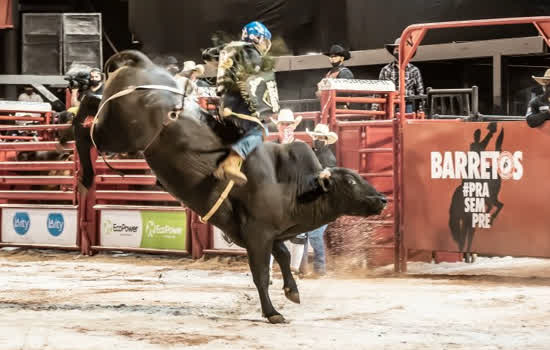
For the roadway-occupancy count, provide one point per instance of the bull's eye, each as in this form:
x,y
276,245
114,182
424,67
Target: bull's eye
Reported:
x,y
352,182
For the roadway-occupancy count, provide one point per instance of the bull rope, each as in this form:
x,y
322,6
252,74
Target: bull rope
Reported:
x,y
128,91
218,203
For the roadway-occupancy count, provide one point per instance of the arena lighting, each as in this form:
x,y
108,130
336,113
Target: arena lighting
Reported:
x,y
312,53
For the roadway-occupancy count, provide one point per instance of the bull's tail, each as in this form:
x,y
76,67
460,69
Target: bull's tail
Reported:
x,y
128,58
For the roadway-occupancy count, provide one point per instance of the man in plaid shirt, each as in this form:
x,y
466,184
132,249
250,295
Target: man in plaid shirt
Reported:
x,y
413,79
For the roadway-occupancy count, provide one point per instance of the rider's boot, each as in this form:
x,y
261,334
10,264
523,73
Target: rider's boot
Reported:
x,y
230,169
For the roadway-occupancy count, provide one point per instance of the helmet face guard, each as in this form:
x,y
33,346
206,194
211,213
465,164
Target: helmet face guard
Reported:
x,y
258,34
264,45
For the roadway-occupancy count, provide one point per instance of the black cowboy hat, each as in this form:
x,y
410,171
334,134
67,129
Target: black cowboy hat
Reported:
x,y
337,50
391,47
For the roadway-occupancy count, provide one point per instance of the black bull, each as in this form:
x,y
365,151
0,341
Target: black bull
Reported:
x,y
279,200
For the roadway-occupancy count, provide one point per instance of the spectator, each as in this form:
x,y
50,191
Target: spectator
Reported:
x,y
539,107
29,95
413,78
171,65
322,138
286,124
336,56
95,87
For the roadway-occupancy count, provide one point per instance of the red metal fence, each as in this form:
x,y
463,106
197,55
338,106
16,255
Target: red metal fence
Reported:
x,y
129,213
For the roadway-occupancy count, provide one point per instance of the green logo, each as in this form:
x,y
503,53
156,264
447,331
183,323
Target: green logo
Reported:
x,y
164,230
107,227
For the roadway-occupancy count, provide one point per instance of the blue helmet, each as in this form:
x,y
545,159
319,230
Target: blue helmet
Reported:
x,y
255,31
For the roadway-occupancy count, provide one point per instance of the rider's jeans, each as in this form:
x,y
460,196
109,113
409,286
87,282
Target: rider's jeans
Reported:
x,y
251,139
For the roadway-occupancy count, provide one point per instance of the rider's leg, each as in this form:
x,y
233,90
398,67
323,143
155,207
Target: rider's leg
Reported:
x,y
230,167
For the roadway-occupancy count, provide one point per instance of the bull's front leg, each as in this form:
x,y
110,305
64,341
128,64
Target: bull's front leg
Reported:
x,y
259,250
282,256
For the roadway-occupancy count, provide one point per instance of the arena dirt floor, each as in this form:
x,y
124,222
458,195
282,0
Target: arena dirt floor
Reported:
x,y
56,301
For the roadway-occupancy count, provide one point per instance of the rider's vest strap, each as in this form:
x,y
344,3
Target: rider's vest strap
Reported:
x,y
250,119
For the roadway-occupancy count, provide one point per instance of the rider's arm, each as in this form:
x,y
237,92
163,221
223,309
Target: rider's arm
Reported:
x,y
211,54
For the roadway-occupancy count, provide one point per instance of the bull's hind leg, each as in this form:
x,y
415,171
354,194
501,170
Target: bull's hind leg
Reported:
x,y
259,249
282,255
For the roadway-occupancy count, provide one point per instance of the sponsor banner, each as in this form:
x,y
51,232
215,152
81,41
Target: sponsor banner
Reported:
x,y
144,229
221,243
39,226
120,228
479,187
164,230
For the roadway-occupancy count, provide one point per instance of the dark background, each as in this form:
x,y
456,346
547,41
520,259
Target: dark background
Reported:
x,y
182,28
168,26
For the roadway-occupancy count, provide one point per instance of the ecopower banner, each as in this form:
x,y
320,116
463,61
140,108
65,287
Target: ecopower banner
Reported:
x,y
144,229
479,187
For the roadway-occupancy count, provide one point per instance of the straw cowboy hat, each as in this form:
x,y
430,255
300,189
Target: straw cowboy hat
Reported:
x,y
189,66
286,116
322,130
337,50
544,80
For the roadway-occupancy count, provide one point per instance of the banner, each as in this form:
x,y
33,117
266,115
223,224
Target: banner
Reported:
x,y
476,187
144,229
39,226
220,243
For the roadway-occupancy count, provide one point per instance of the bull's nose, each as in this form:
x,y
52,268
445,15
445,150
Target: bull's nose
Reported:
x,y
383,199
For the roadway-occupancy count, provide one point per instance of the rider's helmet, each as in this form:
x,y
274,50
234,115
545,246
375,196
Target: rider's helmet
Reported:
x,y
257,34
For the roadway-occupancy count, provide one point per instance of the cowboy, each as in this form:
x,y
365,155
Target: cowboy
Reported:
x,y
322,138
188,77
286,124
336,56
413,79
539,107
248,93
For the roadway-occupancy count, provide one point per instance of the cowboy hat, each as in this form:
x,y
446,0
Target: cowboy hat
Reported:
x,y
544,80
391,47
286,116
190,66
322,130
337,50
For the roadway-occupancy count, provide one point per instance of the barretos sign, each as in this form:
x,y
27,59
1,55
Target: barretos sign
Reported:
x,y
473,187
481,173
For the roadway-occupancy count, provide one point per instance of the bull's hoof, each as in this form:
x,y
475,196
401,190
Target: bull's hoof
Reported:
x,y
276,319
292,296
